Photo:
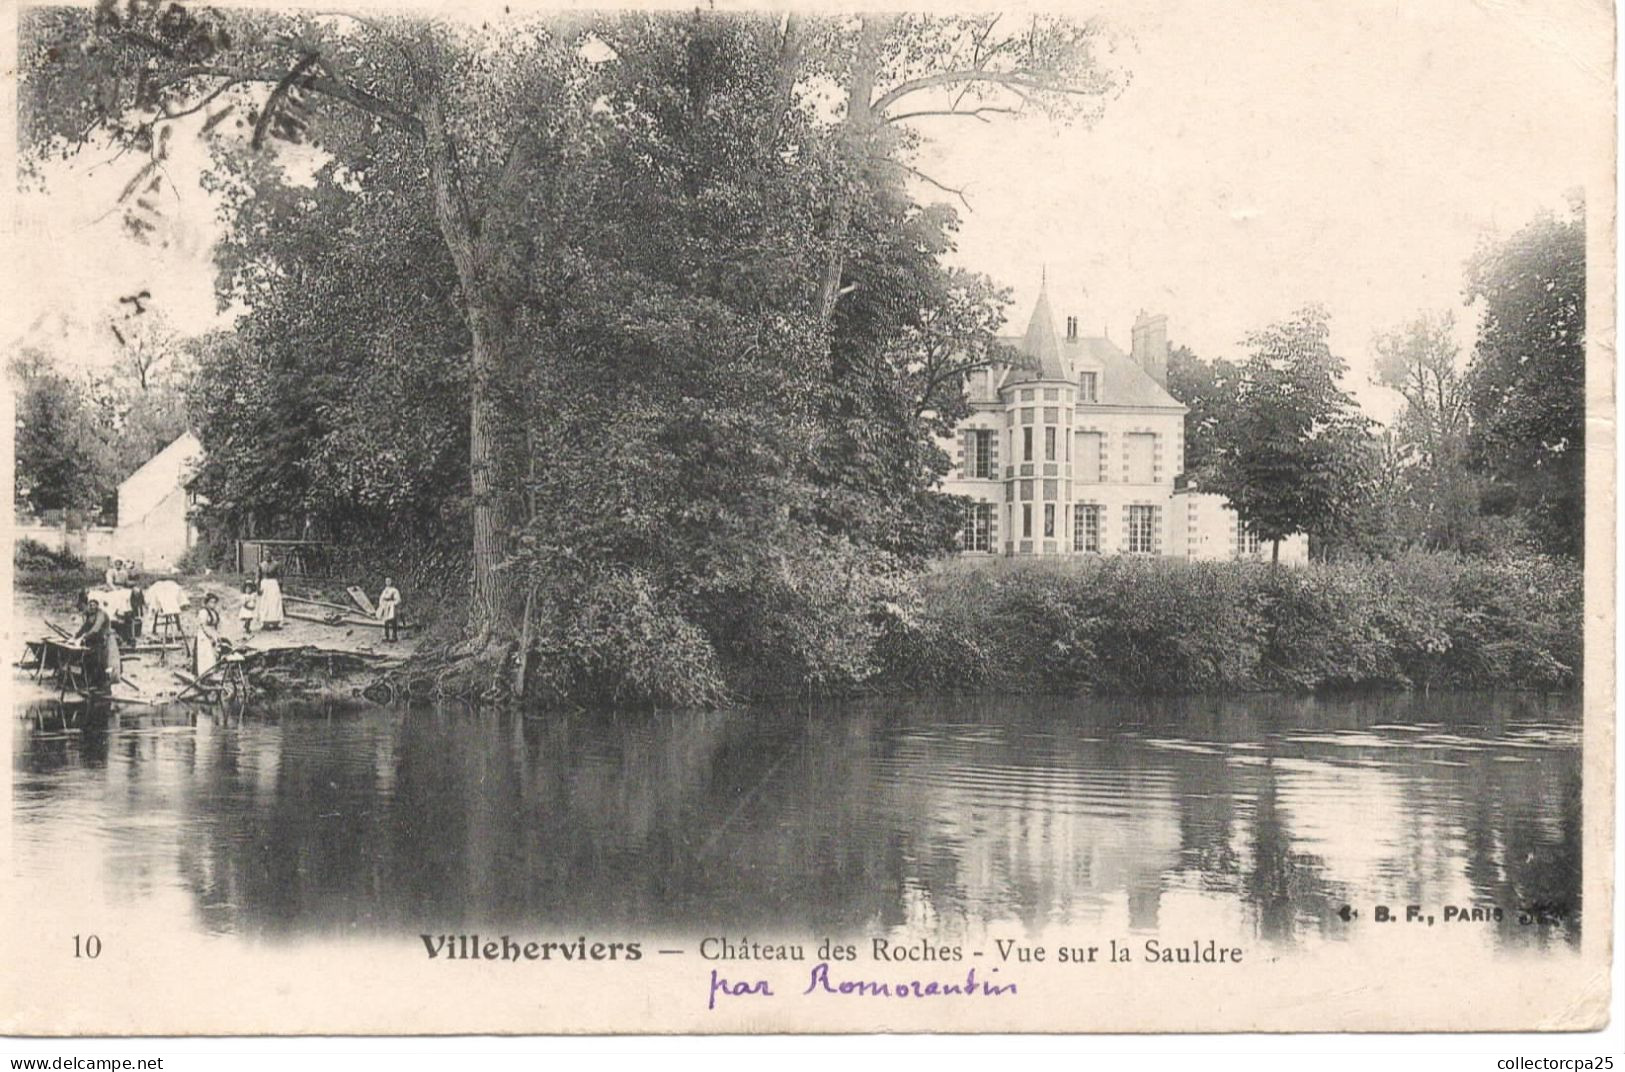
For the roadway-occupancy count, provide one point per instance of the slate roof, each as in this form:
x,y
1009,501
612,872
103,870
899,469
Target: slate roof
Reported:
x,y
1039,342
1122,381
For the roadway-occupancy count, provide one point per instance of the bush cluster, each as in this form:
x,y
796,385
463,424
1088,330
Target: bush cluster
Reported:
x,y
806,619
827,619
1122,625
31,556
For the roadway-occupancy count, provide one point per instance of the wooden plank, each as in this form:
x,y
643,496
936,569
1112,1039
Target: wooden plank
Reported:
x,y
343,622
287,598
362,600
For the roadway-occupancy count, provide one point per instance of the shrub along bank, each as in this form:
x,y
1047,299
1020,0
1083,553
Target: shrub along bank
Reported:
x,y
831,620
1123,625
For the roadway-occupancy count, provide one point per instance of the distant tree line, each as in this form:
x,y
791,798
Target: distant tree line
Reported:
x,y
80,430
1486,456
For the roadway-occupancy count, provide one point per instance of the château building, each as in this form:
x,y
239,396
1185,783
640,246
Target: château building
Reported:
x,y
1080,450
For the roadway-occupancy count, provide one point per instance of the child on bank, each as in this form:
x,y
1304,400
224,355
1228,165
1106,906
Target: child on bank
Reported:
x,y
389,603
245,614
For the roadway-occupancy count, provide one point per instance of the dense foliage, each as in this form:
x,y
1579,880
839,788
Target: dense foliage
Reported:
x,y
79,435
609,271
1208,390
1483,457
630,334
1135,625
1527,381
1293,454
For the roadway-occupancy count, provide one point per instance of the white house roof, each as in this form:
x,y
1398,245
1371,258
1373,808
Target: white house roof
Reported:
x,y
173,464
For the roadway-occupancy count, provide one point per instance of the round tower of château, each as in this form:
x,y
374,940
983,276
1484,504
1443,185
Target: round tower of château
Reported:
x,y
1039,399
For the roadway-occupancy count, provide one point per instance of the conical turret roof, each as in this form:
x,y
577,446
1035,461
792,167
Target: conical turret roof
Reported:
x,y
1041,344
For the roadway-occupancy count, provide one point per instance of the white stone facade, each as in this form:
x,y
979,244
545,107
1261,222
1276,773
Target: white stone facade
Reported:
x,y
1078,453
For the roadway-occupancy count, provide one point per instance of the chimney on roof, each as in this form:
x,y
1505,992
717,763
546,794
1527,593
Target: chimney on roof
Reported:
x,y
1150,346
1071,329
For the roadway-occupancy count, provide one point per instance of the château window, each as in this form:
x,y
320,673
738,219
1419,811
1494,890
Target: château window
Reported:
x,y
1141,448
981,460
1090,444
1247,541
1026,521
1027,444
978,526
1049,444
1142,530
1086,527
1086,387
1049,521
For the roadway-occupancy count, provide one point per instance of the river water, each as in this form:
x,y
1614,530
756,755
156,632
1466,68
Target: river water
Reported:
x,y
1256,818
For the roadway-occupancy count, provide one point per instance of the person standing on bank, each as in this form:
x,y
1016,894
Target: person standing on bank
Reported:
x,y
268,608
101,644
389,602
206,653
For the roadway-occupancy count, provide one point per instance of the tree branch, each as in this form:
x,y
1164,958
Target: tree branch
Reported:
x,y
972,113
945,376
278,95
923,177
330,86
203,102
1015,80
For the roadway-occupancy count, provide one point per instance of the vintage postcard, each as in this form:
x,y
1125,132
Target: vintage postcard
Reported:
x,y
796,519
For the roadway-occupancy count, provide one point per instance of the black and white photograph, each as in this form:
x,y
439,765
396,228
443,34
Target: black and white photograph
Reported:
x,y
737,520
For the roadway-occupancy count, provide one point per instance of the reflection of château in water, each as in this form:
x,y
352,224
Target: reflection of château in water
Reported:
x,y
1253,819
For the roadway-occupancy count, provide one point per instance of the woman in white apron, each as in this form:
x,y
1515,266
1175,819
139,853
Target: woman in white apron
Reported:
x,y
268,608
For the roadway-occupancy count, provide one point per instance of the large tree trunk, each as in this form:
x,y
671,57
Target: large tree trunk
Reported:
x,y
493,492
491,605
856,131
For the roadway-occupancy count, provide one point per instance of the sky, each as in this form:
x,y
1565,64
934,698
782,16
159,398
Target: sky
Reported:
x,y
1265,155
1261,156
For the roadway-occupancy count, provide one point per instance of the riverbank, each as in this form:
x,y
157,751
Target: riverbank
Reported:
x,y
845,626
841,624
1135,626
304,659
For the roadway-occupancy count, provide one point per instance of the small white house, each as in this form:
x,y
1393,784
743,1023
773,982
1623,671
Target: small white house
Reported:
x,y
154,504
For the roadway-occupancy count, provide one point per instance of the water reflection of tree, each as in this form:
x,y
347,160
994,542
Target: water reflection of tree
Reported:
x,y
1284,887
1523,845
941,815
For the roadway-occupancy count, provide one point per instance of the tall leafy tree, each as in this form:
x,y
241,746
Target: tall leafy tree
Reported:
x,y
61,459
1526,385
638,229
1433,496
479,116
1208,389
1295,457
